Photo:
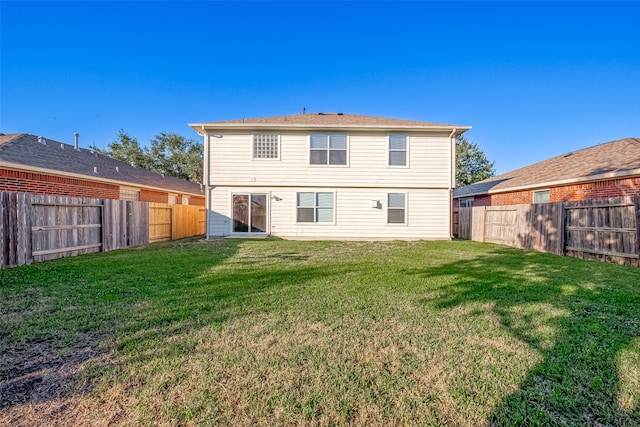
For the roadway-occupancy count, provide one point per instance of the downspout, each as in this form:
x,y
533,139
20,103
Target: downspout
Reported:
x,y
205,178
452,182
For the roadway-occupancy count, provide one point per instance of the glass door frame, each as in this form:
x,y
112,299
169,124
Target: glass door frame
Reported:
x,y
249,226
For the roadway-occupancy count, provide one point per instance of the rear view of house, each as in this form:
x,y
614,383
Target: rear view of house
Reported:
x,y
329,175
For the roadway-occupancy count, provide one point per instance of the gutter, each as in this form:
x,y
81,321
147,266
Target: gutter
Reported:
x,y
452,184
203,127
205,178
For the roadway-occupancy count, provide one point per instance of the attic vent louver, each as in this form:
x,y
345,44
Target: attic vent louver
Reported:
x,y
41,140
133,164
330,114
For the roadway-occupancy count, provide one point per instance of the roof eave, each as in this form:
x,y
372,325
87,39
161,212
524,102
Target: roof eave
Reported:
x,y
203,128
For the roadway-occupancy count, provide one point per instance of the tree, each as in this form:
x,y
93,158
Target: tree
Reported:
x,y
472,164
175,155
170,154
126,149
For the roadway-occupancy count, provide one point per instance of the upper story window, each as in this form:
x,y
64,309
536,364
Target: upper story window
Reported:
x,y
314,207
328,150
266,146
466,203
397,150
541,196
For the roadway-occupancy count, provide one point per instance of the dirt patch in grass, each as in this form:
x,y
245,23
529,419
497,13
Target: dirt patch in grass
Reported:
x,y
35,372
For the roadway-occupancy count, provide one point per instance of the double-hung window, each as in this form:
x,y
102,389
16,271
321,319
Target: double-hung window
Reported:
x,y
328,149
397,150
266,146
314,207
396,208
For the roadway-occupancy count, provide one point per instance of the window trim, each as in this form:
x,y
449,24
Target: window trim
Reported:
x,y
406,210
315,208
328,149
534,192
406,150
262,159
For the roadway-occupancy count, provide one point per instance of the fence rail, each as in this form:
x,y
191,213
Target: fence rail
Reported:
x,y
37,228
607,229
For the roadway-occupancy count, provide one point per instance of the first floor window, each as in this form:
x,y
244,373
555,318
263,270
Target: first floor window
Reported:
x,y
314,207
541,196
328,150
466,203
129,194
396,208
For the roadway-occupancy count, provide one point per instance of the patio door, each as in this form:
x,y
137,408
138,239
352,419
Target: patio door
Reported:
x,y
249,213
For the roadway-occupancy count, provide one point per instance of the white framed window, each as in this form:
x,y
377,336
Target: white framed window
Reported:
x,y
130,194
172,199
466,202
398,150
315,207
541,196
185,200
266,146
396,208
328,149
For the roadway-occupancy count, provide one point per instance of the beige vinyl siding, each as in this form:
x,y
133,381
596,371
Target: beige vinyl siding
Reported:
x,y
231,163
427,213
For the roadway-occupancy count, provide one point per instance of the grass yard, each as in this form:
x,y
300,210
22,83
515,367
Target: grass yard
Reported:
x,y
272,332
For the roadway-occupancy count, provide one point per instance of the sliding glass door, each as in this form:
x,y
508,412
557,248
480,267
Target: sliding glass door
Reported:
x,y
249,213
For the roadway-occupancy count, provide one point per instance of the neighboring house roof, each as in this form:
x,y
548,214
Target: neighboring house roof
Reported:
x,y
610,160
326,120
24,151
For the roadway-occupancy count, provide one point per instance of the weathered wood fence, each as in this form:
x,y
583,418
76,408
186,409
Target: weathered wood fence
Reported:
x,y
607,229
37,228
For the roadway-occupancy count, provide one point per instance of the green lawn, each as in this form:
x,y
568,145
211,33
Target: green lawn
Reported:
x,y
272,332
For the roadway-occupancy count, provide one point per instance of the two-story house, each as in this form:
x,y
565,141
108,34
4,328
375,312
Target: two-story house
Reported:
x,y
329,176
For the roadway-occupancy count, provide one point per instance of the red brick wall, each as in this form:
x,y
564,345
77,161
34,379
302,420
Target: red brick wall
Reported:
x,y
153,196
596,190
567,193
196,201
37,183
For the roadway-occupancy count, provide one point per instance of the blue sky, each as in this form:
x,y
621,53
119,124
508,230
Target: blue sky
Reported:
x,y
534,80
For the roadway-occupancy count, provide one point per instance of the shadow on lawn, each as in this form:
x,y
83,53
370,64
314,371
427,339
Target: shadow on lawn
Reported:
x,y
133,300
598,314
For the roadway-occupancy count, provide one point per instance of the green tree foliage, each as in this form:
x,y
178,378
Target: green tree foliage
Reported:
x,y
170,154
472,164
127,149
175,155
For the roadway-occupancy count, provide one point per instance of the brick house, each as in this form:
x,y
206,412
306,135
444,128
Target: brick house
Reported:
x,y
33,164
603,171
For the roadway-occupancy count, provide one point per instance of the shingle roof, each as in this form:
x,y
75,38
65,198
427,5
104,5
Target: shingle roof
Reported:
x,y
330,119
616,158
24,149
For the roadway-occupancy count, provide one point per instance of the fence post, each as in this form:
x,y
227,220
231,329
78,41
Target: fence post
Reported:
x,y
561,228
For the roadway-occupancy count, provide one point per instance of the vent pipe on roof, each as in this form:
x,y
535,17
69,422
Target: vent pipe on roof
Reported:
x,y
95,169
303,110
41,140
75,139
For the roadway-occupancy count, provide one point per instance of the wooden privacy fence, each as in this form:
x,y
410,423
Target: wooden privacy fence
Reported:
x,y
607,230
171,222
37,228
